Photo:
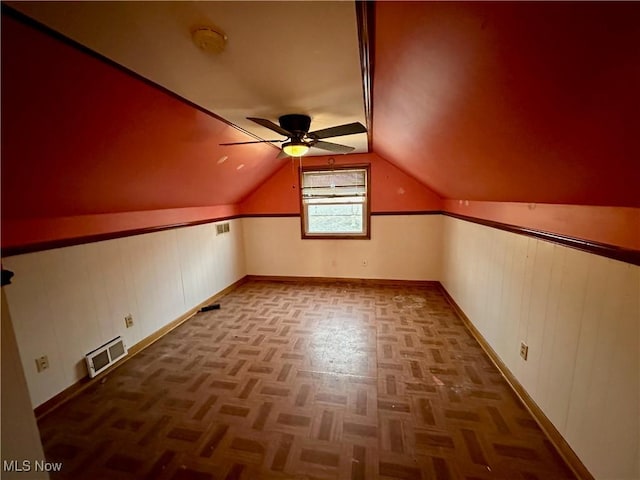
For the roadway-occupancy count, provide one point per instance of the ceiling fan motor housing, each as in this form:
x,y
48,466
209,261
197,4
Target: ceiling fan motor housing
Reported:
x,y
296,128
295,123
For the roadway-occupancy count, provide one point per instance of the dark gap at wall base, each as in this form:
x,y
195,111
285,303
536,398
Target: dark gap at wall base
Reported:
x,y
604,250
558,441
356,281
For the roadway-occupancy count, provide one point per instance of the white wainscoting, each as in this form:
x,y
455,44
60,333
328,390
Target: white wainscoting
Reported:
x,y
402,247
580,315
68,301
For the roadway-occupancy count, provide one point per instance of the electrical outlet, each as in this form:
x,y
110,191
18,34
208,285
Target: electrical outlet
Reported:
x,y
42,363
365,263
524,350
128,321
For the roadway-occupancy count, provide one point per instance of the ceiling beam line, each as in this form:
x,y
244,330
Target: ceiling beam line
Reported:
x,y
365,11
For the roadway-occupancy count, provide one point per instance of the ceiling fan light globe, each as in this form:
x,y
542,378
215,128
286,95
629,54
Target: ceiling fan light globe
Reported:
x,y
295,149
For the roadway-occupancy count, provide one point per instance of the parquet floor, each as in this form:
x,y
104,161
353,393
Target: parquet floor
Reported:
x,y
306,381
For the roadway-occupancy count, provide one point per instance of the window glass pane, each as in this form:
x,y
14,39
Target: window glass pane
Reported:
x,y
335,202
341,218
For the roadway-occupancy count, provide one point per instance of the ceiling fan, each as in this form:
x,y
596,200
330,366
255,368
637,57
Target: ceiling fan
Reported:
x,y
299,139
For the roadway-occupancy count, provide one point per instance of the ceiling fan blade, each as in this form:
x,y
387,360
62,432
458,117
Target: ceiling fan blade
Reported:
x,y
346,129
334,147
255,141
271,126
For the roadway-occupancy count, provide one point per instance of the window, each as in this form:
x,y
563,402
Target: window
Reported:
x,y
335,202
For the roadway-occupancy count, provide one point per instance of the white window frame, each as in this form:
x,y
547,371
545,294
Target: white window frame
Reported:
x,y
306,200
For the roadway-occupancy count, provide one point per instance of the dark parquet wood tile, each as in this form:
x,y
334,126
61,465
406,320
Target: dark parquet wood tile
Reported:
x,y
305,381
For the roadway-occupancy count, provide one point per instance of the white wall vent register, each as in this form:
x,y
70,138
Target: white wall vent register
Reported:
x,y
106,355
222,228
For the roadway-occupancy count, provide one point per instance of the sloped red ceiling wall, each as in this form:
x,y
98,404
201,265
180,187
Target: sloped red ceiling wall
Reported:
x,y
486,102
617,226
511,101
81,137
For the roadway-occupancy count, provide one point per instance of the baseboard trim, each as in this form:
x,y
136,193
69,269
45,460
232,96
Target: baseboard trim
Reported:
x,y
359,281
563,448
81,385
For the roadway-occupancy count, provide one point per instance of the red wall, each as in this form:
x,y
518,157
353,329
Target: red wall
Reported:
x,y
392,190
89,149
511,101
29,231
93,150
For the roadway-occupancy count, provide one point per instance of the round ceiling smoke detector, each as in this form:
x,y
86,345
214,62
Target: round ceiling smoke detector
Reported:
x,y
209,39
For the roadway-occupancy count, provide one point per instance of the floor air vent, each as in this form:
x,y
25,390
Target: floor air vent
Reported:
x,y
105,356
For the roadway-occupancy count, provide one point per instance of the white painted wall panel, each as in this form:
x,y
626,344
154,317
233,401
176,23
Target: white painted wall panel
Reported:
x,y
20,435
230,257
608,396
406,247
545,388
580,315
195,261
495,276
68,301
532,326
565,336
